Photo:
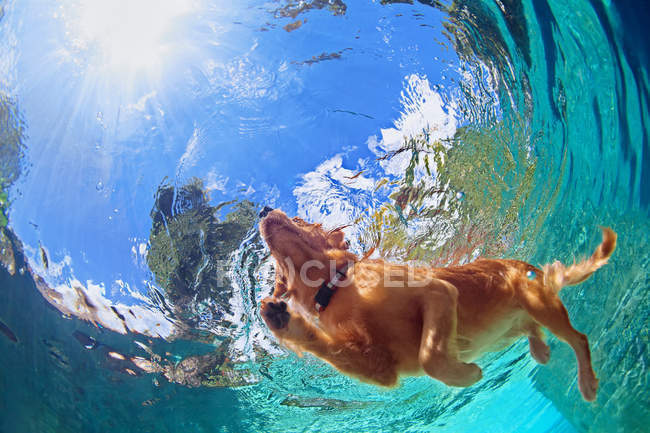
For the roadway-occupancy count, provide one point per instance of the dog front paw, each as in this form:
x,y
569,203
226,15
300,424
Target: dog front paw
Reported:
x,y
275,314
462,374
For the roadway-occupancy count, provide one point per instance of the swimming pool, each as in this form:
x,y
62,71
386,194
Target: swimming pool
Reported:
x,y
141,139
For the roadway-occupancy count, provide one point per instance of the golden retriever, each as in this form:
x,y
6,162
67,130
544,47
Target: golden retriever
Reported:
x,y
384,320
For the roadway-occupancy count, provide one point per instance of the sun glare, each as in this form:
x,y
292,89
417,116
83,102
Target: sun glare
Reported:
x,y
128,35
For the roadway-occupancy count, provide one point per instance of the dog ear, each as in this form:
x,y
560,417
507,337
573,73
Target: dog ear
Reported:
x,y
337,240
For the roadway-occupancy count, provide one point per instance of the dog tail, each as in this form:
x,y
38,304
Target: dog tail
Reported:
x,y
558,275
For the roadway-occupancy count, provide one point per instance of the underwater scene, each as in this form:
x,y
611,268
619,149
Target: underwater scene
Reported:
x,y
141,139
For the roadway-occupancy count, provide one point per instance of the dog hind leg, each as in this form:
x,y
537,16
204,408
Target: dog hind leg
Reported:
x,y
541,301
547,309
538,348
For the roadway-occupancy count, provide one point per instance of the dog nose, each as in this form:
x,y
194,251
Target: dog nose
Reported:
x,y
265,211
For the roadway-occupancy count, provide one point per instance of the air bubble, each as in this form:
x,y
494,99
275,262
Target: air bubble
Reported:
x,y
99,186
531,275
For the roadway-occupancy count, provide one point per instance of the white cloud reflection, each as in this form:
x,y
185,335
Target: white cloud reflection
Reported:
x,y
333,196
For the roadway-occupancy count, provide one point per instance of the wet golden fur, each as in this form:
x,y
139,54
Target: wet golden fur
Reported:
x,y
390,319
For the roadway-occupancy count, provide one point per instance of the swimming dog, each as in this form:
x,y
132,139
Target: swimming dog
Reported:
x,y
377,321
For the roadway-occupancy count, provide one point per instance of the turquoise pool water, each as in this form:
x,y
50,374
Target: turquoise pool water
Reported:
x,y
139,140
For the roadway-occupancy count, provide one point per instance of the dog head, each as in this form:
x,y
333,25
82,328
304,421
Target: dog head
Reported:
x,y
306,255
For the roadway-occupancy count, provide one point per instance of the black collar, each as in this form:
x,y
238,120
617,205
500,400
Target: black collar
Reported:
x,y
327,290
